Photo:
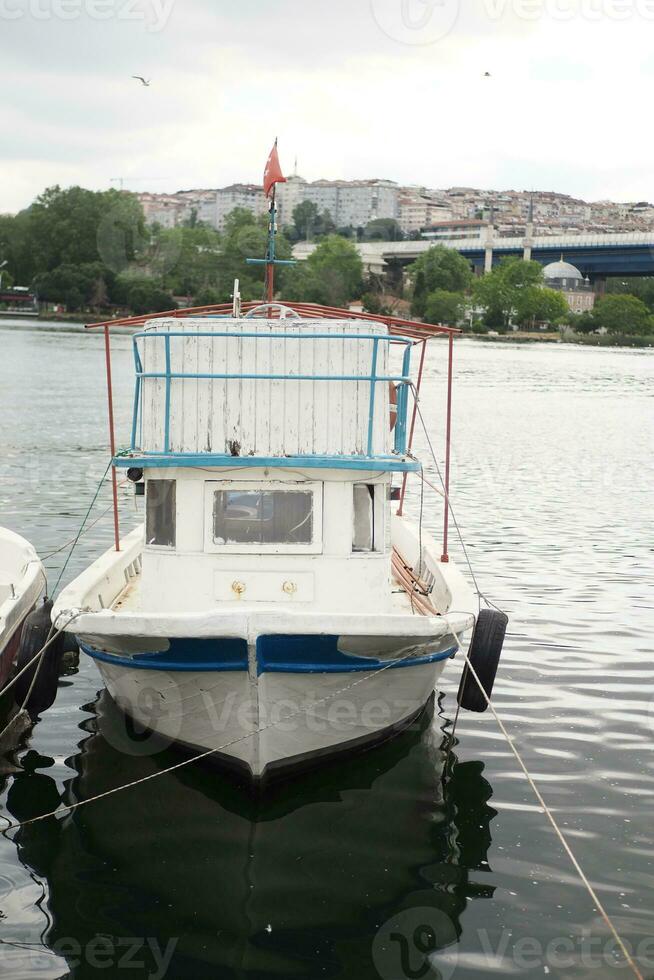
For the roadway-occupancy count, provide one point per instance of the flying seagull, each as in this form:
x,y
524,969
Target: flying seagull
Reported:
x,y
144,81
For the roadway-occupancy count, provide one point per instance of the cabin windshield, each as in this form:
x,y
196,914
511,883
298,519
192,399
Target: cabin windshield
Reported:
x,y
262,517
272,517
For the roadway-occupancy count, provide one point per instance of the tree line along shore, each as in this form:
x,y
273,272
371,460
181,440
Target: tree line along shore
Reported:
x,y
91,255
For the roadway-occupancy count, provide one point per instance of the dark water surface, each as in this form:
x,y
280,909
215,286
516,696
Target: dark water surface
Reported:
x,y
364,867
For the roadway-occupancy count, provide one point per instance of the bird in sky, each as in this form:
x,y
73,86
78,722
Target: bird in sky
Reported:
x,y
144,81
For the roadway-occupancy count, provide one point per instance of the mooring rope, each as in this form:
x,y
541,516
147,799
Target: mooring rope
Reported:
x,y
203,755
50,640
550,816
448,500
74,540
81,527
68,808
468,666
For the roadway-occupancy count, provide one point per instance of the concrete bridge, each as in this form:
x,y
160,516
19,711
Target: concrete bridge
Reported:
x,y
596,256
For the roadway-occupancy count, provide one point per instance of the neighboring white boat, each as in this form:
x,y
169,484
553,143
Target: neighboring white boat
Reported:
x,y
21,582
274,607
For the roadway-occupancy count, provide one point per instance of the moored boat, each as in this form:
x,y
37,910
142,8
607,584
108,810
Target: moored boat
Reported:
x,y
21,583
274,608
277,605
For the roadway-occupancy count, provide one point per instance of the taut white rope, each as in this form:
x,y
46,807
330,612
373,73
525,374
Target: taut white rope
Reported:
x,y
550,816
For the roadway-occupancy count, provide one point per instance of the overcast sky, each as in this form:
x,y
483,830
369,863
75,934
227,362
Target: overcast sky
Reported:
x,y
353,88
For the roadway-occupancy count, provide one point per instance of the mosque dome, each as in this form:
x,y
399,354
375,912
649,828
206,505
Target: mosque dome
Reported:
x,y
561,270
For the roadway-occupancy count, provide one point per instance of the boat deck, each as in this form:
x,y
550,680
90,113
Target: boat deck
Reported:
x,y
402,601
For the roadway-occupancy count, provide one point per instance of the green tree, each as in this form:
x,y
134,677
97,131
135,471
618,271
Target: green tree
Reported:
x,y
246,236
89,284
622,314
76,226
539,304
147,297
305,219
641,287
552,306
582,322
443,306
72,227
207,297
511,289
383,230
73,299
438,268
190,259
331,275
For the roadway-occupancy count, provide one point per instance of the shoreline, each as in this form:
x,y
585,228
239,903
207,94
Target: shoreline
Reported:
x,y
510,337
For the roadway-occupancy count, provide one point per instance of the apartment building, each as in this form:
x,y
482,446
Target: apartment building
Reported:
x,y
419,208
349,202
248,196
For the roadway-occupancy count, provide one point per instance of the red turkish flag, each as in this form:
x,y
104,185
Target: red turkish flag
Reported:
x,y
273,173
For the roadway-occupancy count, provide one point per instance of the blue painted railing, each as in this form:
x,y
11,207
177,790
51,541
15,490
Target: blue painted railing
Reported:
x,y
403,380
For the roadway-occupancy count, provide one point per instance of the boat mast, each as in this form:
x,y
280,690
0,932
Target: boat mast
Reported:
x,y
272,176
270,253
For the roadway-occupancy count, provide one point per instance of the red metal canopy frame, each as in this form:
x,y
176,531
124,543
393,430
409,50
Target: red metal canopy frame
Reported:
x,y
419,332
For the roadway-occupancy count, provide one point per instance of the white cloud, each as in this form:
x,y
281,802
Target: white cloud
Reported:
x,y
560,110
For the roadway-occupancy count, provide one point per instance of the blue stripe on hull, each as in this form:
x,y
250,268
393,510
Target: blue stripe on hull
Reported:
x,y
286,654
218,654
297,654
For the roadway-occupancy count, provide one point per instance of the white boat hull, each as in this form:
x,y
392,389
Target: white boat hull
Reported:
x,y
276,720
264,686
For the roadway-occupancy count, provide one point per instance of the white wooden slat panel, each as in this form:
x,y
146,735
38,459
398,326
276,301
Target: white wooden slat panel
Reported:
x,y
154,401
380,425
263,361
203,439
217,408
277,393
364,360
321,388
349,425
143,435
333,367
292,418
187,393
306,396
179,390
269,418
249,405
234,436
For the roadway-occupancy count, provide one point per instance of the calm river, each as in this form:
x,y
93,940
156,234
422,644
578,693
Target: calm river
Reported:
x,y
356,870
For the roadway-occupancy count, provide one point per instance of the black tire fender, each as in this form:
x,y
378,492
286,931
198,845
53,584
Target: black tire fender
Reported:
x,y
34,635
484,655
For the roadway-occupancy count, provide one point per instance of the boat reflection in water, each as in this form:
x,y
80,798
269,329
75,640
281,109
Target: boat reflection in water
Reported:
x,y
299,882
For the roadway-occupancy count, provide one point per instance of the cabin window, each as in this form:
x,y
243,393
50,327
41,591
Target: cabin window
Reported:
x,y
363,520
160,513
244,517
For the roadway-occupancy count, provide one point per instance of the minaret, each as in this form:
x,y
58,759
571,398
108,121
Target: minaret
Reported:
x,y
490,234
529,231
